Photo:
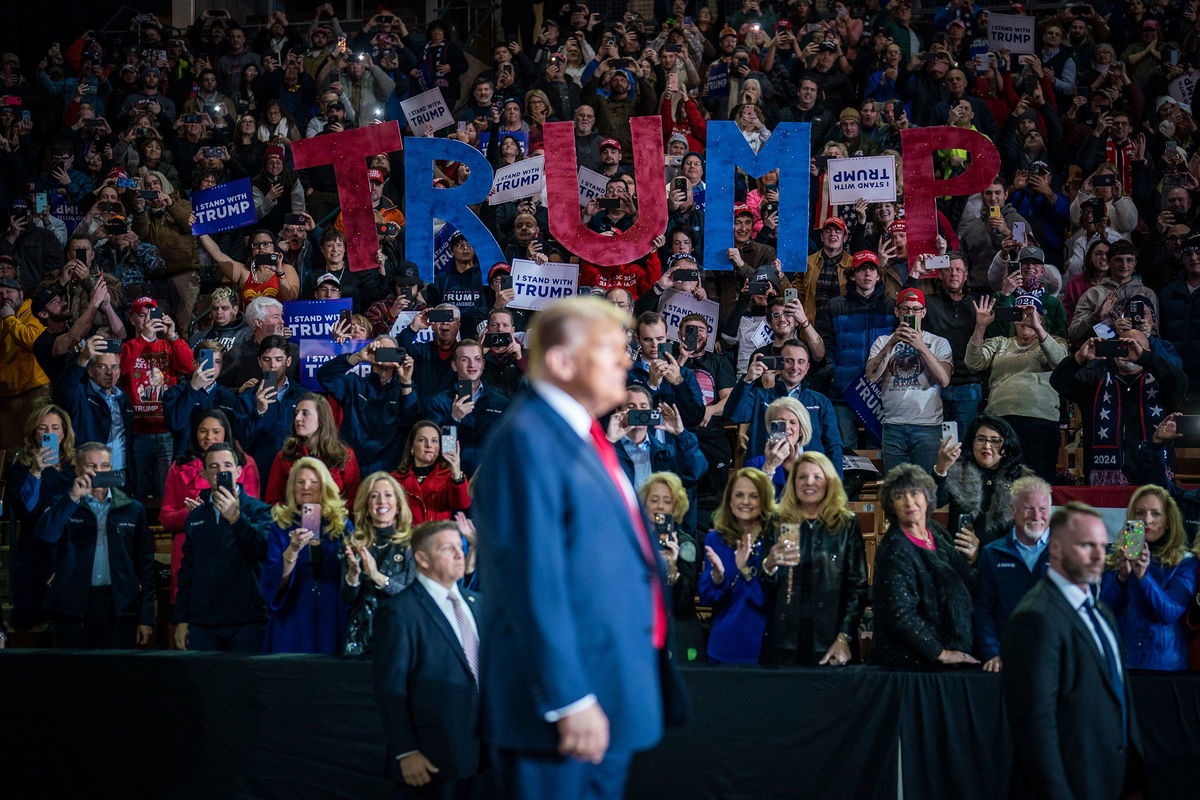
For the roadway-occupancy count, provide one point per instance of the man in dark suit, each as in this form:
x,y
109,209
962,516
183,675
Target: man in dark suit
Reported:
x,y
427,672
575,671
1065,689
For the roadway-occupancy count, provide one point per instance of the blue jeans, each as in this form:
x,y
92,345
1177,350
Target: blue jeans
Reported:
x,y
961,404
152,454
848,428
912,444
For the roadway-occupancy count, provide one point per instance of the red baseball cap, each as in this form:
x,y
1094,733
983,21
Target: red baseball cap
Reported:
x,y
499,266
837,222
274,151
375,175
117,172
864,257
610,143
142,303
910,294
741,208
896,226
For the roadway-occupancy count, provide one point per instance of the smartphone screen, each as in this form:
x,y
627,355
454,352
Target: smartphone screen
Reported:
x,y
449,438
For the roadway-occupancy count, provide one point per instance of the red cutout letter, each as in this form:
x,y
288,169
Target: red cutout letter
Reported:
x,y
921,188
348,151
562,192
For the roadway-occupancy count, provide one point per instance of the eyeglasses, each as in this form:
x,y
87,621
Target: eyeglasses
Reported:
x,y
776,315
911,309
261,245
995,441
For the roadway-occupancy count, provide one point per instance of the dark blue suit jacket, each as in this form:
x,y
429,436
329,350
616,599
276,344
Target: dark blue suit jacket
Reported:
x,y
569,601
1003,581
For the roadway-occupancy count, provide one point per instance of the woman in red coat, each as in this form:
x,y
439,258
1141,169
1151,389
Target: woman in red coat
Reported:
x,y
314,433
433,480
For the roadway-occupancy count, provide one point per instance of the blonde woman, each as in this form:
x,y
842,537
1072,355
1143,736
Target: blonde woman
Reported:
x,y
781,449
301,577
378,560
744,528
1149,592
663,494
820,583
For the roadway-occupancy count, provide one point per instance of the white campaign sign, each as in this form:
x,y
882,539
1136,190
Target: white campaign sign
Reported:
x,y
427,108
1011,32
525,178
675,305
870,178
591,184
536,286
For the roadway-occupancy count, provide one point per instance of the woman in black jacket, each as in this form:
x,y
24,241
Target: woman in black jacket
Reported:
x,y
820,587
378,561
923,580
978,483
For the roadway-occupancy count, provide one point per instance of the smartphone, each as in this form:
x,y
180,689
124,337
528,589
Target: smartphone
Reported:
x,y
772,363
497,339
682,275
462,389
127,183
206,359
1137,310
608,203
440,315
681,185
643,417
387,229
950,431
691,338
966,522
148,195
1105,179
156,313
506,282
50,440
213,152
266,259
225,481
294,219
777,429
668,347
1008,314
790,532
389,355
1110,348
112,479
993,212
791,294
664,526
310,517
1019,232
40,202
26,116
112,346
758,287
449,438
912,321
270,377
1133,539
937,262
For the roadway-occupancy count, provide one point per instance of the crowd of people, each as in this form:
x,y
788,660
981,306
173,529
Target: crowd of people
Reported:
x,y
148,376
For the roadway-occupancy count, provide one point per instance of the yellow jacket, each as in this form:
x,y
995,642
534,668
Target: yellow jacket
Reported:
x,y
19,370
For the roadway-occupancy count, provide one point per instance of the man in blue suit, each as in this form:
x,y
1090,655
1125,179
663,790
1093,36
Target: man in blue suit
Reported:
x,y
426,662
1009,566
576,675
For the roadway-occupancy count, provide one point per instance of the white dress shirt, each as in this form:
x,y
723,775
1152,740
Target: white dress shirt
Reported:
x,y
441,596
1077,597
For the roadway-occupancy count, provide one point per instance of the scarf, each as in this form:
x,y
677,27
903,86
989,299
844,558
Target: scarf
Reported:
x,y
433,57
1122,160
1110,405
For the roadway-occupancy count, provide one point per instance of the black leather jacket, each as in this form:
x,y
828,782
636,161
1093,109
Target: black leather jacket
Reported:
x,y
833,570
396,562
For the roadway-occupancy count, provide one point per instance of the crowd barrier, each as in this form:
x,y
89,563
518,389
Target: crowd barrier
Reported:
x,y
194,725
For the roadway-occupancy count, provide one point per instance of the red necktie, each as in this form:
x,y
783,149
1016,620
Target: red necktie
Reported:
x,y
608,457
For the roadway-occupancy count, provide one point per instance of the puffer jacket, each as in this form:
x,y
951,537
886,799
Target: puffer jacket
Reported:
x,y
1150,613
849,326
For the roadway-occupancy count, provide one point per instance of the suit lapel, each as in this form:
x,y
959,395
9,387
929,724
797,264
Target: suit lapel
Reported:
x,y
441,623
590,460
1083,634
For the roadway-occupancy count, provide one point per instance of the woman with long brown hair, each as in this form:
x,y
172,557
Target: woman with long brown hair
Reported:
x,y
315,434
433,480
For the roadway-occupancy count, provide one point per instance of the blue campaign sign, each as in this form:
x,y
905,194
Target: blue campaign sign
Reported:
x,y
442,257
865,401
315,352
224,207
314,319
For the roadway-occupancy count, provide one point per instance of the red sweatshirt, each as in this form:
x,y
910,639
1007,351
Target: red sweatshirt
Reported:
x,y
634,278
147,369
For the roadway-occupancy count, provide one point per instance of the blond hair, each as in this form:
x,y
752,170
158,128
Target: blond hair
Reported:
x,y
797,409
1174,541
568,323
333,509
832,511
674,486
363,534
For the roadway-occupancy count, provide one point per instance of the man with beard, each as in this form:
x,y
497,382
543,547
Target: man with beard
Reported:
x,y
1009,566
627,97
163,222
587,140
150,99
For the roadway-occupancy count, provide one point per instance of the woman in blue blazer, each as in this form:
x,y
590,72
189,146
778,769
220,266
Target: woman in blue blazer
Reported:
x,y
745,530
1150,594
302,576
